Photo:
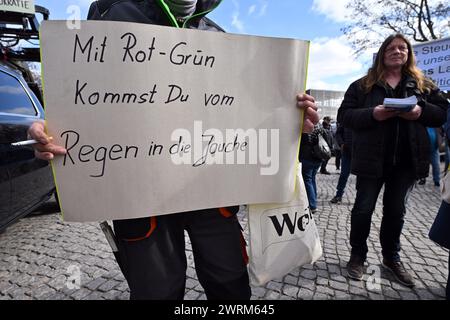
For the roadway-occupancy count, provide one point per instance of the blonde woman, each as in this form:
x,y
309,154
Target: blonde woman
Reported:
x,y
390,148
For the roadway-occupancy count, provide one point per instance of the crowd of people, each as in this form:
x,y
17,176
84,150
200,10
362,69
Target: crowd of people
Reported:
x,y
381,146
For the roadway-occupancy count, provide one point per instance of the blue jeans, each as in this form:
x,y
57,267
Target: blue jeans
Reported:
x,y
346,161
447,155
435,165
309,171
397,185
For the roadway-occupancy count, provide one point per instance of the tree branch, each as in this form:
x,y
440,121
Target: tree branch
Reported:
x,y
420,17
422,20
429,23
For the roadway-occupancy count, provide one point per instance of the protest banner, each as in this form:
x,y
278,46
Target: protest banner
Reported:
x,y
433,58
158,120
23,6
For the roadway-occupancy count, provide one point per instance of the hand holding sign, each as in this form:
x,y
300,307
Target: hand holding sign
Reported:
x,y
308,104
45,149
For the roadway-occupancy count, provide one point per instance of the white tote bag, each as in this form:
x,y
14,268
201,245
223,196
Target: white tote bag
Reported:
x,y
282,237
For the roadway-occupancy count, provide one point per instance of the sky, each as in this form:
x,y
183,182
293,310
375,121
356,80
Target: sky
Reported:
x,y
332,65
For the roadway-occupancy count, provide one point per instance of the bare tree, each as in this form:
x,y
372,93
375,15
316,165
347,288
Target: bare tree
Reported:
x,y
373,20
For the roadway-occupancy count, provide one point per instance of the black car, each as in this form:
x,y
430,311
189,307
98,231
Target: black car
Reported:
x,y
25,181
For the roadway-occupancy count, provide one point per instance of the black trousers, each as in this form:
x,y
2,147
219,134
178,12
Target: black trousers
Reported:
x,y
152,251
397,186
323,166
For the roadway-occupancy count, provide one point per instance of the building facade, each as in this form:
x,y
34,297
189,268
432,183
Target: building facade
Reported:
x,y
327,101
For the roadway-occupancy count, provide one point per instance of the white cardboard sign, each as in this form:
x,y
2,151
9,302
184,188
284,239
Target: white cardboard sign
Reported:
x,y
433,58
25,6
159,120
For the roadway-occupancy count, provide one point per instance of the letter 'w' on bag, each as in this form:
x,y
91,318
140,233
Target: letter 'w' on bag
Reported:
x,y
445,186
282,236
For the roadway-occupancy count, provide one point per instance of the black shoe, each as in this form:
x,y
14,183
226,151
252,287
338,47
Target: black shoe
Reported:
x,y
422,182
355,267
314,211
325,172
336,200
400,273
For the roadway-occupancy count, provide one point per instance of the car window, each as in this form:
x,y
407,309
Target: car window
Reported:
x,y
13,97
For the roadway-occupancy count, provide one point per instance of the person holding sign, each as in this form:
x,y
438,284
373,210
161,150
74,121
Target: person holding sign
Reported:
x,y
152,249
390,148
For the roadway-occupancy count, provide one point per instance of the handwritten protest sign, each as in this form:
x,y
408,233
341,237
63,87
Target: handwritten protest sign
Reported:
x,y
158,120
433,58
24,6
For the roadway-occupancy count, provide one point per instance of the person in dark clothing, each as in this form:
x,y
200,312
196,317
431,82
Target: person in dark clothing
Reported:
x,y
390,148
336,148
326,125
311,164
344,140
435,141
152,250
439,231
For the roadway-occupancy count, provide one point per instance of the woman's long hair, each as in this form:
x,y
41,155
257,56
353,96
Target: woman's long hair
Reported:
x,y
377,72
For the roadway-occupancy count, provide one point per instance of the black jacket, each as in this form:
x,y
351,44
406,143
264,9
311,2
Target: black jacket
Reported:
x,y
150,12
307,143
380,145
344,138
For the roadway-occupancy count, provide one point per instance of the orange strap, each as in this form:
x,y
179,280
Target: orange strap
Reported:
x,y
244,249
225,212
150,231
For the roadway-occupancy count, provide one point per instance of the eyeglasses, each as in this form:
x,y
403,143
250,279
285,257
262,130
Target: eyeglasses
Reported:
x,y
400,48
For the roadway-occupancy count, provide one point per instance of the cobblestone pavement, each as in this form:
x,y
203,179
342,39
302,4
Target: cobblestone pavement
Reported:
x,y
41,257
